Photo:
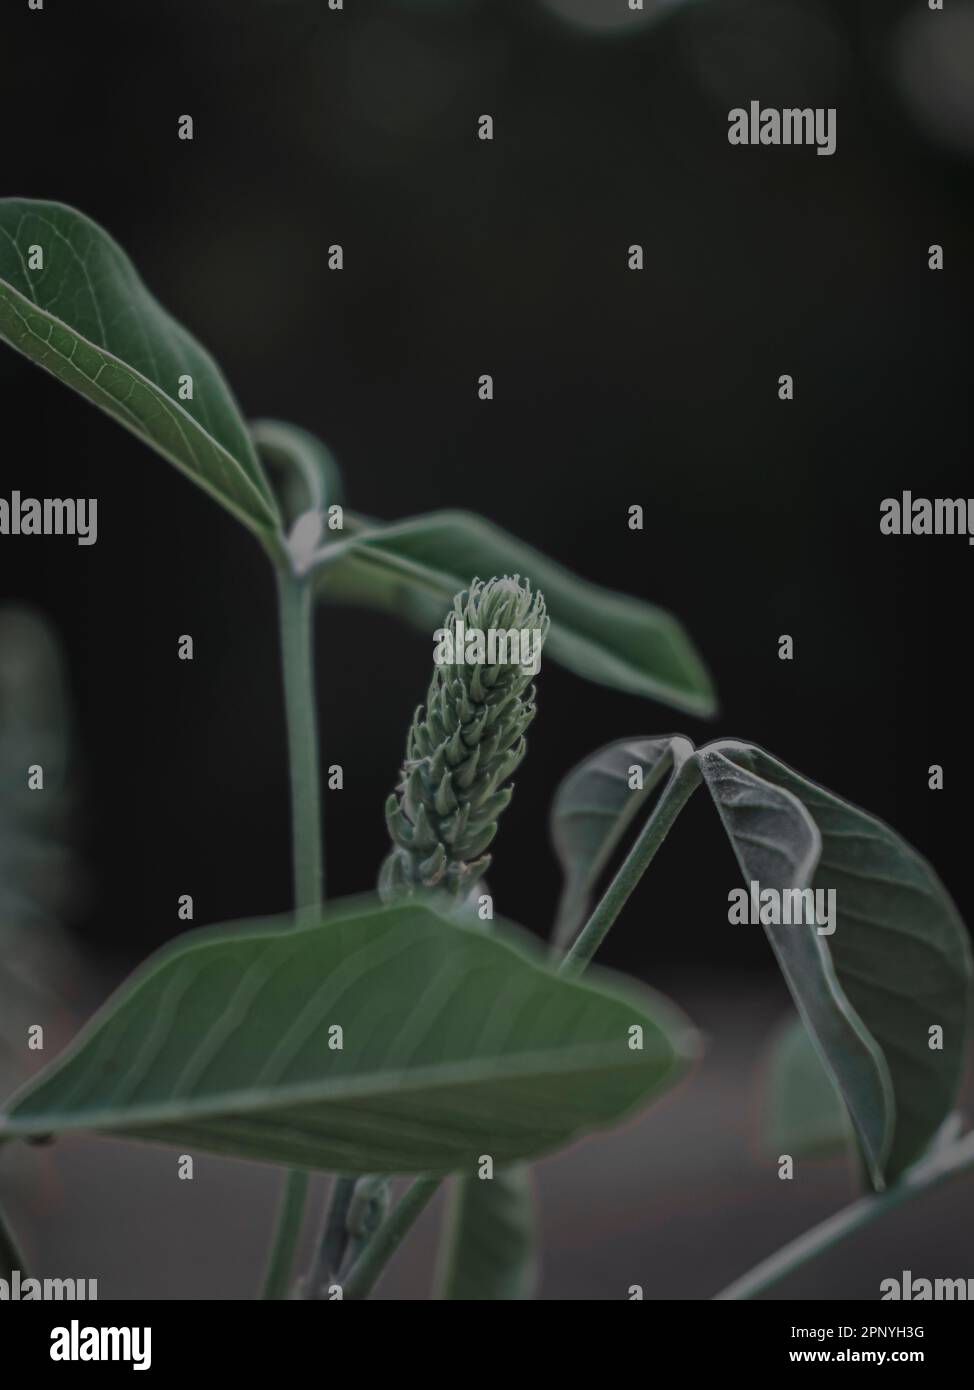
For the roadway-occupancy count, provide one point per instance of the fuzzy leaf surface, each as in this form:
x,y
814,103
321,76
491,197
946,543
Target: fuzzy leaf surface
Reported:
x,y
897,964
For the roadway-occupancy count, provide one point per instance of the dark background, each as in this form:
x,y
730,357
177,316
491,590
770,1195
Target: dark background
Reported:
x,y
611,388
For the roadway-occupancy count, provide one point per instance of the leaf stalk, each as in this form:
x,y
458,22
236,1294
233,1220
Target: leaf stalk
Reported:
x,y
297,665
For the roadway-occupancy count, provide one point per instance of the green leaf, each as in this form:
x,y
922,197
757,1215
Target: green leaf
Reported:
x,y
897,965
456,1044
413,569
803,1112
87,318
593,808
490,1240
312,481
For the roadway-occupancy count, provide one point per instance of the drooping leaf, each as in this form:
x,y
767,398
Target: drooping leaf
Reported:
x,y
455,1043
490,1242
413,568
897,965
312,479
777,845
873,994
593,808
803,1111
72,302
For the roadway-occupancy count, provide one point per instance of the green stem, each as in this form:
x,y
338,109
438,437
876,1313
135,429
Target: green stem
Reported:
x,y
297,657
923,1177
334,1238
674,797
367,1210
297,664
365,1272
277,1280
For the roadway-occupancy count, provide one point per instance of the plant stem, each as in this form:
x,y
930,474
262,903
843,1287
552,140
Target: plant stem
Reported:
x,y
922,1177
297,658
278,1277
334,1237
368,1209
297,665
675,794
365,1272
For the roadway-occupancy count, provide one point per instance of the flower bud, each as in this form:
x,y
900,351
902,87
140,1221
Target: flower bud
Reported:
x,y
466,742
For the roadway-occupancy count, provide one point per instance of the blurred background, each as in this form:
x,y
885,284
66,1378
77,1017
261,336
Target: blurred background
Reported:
x,y
315,126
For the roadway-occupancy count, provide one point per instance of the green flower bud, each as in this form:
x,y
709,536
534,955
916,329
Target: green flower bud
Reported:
x,y
466,742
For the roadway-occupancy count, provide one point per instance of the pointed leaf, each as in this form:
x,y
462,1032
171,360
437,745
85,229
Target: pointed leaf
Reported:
x,y
777,845
313,481
490,1240
455,1043
414,568
897,964
593,808
85,316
